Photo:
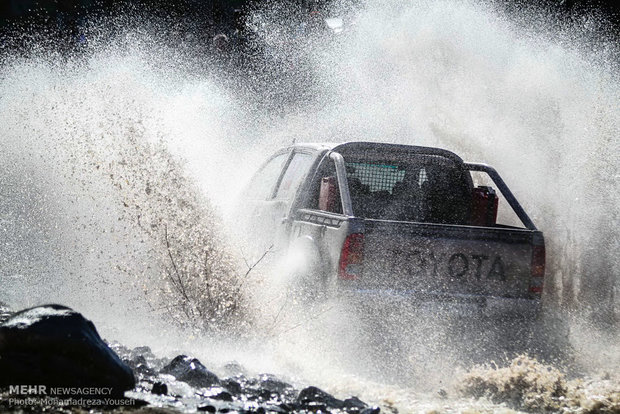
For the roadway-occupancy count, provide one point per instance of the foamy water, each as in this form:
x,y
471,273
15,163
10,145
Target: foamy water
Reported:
x,y
74,183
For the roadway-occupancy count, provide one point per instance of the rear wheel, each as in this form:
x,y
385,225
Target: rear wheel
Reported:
x,y
307,278
308,286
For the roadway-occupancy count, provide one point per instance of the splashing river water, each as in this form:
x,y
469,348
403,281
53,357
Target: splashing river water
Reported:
x,y
86,139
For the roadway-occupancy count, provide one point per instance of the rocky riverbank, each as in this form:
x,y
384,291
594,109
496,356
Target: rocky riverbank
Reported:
x,y
185,383
52,359
49,352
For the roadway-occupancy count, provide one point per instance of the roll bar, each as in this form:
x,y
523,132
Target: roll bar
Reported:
x,y
501,185
347,205
343,183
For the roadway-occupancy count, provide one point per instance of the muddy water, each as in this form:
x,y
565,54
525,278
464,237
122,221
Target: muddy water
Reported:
x,y
104,152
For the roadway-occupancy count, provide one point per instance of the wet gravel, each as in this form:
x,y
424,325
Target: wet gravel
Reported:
x,y
184,383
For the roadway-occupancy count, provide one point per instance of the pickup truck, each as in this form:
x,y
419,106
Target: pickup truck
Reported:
x,y
397,222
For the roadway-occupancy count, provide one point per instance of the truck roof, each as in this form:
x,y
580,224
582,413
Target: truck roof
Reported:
x,y
355,146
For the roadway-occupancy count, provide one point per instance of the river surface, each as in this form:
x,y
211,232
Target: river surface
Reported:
x,y
133,150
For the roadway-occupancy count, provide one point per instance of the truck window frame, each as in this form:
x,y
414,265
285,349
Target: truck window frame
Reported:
x,y
291,193
309,201
312,186
270,194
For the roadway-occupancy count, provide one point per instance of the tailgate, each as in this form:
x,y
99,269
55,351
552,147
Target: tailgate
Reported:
x,y
446,259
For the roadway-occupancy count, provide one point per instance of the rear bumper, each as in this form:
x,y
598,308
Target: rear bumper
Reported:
x,y
459,305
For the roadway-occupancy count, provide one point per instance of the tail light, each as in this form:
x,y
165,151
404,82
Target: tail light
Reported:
x,y
351,257
538,269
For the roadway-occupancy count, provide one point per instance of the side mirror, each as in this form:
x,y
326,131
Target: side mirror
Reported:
x,y
328,195
484,207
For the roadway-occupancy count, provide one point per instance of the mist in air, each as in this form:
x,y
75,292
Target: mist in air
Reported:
x,y
108,150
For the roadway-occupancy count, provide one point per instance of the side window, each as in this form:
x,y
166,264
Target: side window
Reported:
x,y
264,181
295,172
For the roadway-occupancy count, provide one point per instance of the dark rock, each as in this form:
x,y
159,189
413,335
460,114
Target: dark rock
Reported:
x,y
271,383
143,351
265,395
140,366
144,356
315,406
354,402
371,410
277,409
258,410
222,396
314,397
55,346
287,407
207,408
190,370
232,386
267,388
159,388
136,361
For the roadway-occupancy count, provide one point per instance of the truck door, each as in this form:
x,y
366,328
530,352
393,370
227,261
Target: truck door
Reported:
x,y
288,186
270,196
257,222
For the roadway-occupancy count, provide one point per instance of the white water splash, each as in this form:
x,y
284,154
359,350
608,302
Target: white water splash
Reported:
x,y
453,74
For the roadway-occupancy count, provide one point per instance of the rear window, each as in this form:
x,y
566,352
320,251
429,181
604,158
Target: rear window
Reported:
x,y
417,188
377,177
